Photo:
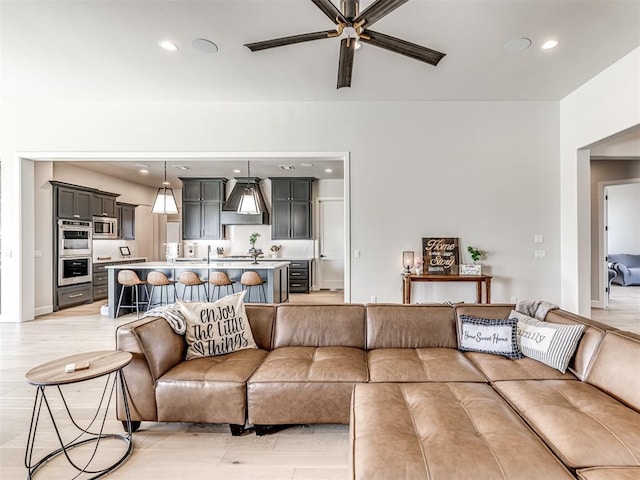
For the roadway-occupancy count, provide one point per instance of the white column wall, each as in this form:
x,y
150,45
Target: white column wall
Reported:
x,y
604,106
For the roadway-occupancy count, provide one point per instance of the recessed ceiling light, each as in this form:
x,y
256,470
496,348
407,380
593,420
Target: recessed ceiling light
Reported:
x,y
237,171
550,44
204,45
328,170
169,46
287,167
306,165
517,45
143,171
181,167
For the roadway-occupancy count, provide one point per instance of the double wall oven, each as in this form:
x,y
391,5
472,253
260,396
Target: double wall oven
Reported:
x,y
74,252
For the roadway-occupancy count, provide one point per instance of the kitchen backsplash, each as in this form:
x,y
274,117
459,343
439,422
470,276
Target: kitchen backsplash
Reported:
x,y
238,243
111,248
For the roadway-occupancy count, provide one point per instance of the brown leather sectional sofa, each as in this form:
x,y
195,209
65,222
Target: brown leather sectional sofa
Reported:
x,y
418,408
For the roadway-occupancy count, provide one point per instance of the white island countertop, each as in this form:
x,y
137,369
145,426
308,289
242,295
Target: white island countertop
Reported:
x,y
200,265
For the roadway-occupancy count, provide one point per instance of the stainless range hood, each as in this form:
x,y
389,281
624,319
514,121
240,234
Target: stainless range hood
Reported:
x,y
230,215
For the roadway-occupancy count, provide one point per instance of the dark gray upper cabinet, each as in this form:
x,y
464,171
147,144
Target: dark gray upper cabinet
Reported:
x,y
202,200
291,208
126,213
73,203
104,205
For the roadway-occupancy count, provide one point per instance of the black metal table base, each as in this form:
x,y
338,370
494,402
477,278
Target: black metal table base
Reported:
x,y
65,447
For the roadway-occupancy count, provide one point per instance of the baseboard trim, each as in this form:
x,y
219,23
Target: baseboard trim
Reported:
x,y
43,310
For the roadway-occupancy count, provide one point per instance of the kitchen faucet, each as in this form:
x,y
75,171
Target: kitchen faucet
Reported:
x,y
208,254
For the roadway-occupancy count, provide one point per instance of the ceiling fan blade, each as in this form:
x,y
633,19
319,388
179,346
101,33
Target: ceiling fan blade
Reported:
x,y
345,64
330,10
402,47
280,42
377,10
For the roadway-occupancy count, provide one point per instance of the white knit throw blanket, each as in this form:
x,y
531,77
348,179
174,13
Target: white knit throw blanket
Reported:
x,y
536,309
171,313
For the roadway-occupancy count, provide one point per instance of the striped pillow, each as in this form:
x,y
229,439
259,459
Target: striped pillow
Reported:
x,y
550,343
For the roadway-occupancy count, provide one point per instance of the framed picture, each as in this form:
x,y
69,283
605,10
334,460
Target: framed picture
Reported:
x,y
125,252
441,255
470,269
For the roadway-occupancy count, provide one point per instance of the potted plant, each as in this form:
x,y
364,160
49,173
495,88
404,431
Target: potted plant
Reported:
x,y
253,238
476,255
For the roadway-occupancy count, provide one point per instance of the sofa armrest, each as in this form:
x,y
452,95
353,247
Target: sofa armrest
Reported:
x,y
156,348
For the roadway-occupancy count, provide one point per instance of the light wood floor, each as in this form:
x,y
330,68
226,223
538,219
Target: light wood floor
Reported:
x,y
623,311
161,451
170,451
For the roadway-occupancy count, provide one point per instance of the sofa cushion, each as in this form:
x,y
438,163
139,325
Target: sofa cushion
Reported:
x,y
305,385
497,367
443,431
488,335
410,326
217,328
612,368
607,473
313,364
550,343
207,389
583,425
319,326
421,365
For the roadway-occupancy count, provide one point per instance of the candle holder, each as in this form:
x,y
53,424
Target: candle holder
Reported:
x,y
408,258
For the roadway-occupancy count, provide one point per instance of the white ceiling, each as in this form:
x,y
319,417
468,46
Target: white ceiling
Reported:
x,y
262,168
98,50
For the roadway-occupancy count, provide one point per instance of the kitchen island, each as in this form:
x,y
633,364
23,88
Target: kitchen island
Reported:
x,y
274,274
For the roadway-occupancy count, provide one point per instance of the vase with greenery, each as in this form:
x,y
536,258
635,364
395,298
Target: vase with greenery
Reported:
x,y
476,254
253,238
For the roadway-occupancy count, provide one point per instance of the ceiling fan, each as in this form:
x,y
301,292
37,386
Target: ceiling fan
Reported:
x,y
352,25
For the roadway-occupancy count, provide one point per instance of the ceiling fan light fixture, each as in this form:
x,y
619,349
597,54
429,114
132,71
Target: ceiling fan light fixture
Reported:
x,y
165,202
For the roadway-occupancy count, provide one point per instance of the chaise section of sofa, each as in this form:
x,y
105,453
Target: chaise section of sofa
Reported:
x,y
443,431
317,356
165,387
595,423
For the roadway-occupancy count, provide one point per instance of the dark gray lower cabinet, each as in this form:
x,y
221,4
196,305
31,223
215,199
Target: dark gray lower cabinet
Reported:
x,y
299,276
101,278
74,295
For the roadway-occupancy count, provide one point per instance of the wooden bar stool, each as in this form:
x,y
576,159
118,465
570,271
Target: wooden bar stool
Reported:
x,y
219,280
252,279
191,279
129,278
159,279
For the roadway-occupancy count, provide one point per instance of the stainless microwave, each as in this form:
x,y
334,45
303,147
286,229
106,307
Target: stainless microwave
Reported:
x,y
105,227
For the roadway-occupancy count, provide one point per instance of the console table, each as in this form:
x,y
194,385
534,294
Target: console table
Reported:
x,y
478,279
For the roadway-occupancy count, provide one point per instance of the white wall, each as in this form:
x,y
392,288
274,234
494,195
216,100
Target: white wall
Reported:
x,y
624,218
604,106
466,169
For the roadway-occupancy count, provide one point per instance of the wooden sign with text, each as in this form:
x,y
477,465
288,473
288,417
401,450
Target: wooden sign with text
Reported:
x,y
441,256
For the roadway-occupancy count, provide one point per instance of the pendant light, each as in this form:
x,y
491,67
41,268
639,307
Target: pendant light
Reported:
x,y
165,201
249,200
